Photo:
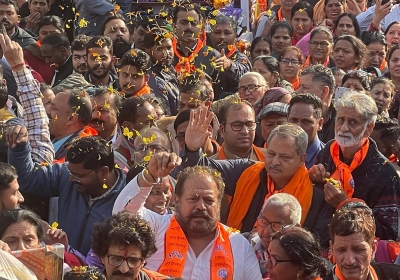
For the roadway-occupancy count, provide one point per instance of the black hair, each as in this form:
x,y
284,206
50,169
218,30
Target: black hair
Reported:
x,y
359,49
56,40
136,58
109,18
308,98
51,20
281,24
182,117
123,229
100,41
389,128
257,40
47,1
3,143
220,19
365,81
304,250
117,97
10,2
236,104
128,109
79,43
369,37
390,25
191,85
157,33
187,8
353,19
9,217
93,151
7,174
305,6
79,104
84,273
321,74
391,51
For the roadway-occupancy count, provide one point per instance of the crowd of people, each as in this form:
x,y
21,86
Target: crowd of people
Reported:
x,y
172,145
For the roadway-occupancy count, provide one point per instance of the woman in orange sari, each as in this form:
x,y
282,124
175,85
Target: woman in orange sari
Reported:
x,y
290,64
320,47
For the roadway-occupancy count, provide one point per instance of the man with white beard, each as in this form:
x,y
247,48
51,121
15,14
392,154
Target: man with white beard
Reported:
x,y
350,166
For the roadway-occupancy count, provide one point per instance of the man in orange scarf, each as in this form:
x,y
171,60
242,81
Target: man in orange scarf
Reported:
x,y
249,183
238,128
192,243
358,169
350,228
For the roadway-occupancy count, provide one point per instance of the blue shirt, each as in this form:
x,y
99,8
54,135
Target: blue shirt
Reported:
x,y
58,144
313,151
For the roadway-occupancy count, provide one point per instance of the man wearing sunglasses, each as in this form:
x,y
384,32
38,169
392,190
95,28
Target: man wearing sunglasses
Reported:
x,y
238,128
123,242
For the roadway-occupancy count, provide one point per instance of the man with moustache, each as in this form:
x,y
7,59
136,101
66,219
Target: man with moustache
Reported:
x,y
234,63
354,160
100,62
133,76
56,51
162,77
9,16
79,54
115,28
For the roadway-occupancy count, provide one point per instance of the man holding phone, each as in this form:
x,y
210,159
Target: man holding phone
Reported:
x,y
379,16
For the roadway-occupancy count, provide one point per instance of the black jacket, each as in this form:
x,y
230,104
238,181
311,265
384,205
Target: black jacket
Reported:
x,y
22,37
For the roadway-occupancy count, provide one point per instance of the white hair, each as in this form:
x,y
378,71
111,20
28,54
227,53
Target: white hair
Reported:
x,y
260,79
282,200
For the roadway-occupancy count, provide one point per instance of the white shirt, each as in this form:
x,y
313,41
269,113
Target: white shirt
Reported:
x,y
246,266
365,18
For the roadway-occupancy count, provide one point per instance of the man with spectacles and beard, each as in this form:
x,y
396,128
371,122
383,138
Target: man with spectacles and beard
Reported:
x,y
123,242
351,166
115,28
101,62
162,77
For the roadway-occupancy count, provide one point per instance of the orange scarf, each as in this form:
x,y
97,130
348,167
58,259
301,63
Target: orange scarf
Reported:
x,y
343,171
296,84
259,154
176,247
185,64
232,50
39,43
279,15
308,63
299,186
372,272
145,89
383,65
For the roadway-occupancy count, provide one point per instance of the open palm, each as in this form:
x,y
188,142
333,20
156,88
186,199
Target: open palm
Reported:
x,y
197,132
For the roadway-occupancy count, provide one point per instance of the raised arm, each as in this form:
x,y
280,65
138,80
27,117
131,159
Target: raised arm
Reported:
x,y
35,117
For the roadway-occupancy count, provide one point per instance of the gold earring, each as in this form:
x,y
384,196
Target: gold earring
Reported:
x,y
104,184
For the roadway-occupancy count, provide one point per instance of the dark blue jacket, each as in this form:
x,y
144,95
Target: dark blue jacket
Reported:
x,y
75,216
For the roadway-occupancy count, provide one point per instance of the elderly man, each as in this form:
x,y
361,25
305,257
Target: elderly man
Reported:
x,y
249,183
319,81
270,116
353,246
130,241
306,111
192,244
354,161
238,128
279,211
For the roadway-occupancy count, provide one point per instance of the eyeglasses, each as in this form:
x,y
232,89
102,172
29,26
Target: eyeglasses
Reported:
x,y
288,60
237,126
78,178
271,261
132,262
143,149
249,88
316,44
276,227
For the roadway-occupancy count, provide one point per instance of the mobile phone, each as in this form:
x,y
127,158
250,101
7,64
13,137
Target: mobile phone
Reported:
x,y
340,91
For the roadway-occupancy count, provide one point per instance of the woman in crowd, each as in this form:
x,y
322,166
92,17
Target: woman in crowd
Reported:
x,y
32,53
301,20
281,37
392,34
290,64
320,47
251,87
382,91
393,59
357,80
10,197
294,254
268,67
377,47
347,24
349,53
260,46
326,12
